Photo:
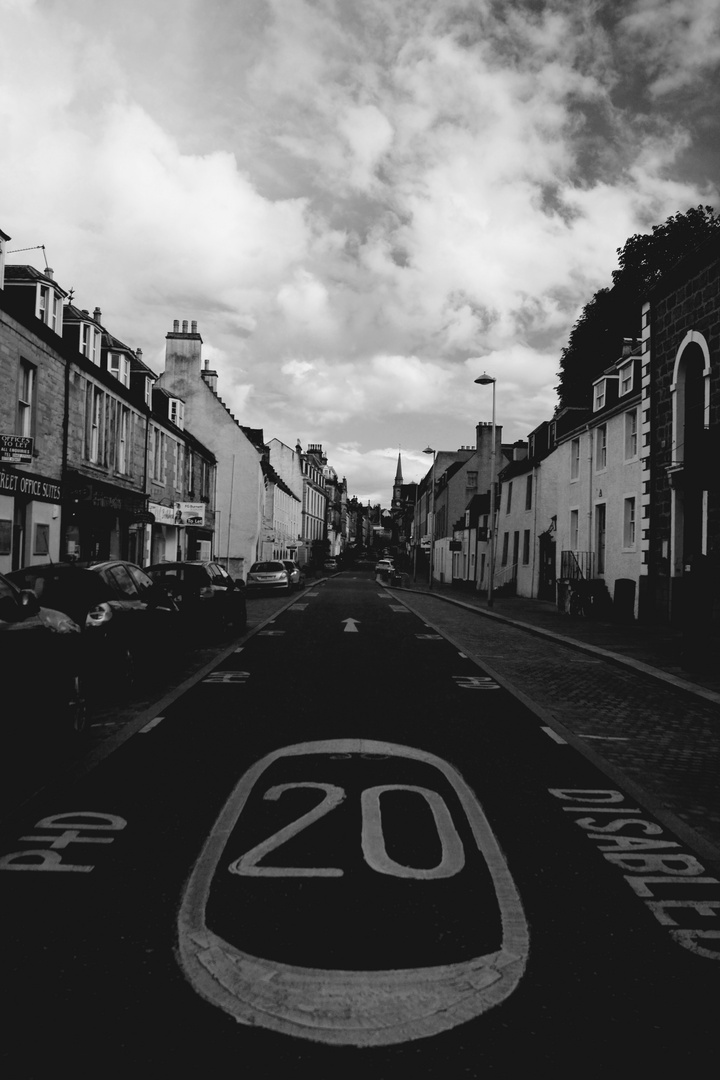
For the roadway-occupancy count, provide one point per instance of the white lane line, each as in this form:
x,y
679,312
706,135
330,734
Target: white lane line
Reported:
x,y
554,736
608,738
298,607
151,725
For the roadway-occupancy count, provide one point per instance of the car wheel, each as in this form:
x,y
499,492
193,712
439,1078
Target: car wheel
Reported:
x,y
78,716
126,670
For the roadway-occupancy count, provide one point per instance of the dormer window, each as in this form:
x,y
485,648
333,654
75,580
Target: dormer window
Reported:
x,y
626,378
599,392
177,412
90,342
49,308
148,391
119,366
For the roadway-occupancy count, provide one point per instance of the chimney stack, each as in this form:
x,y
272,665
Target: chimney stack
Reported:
x,y
97,315
176,326
193,327
184,326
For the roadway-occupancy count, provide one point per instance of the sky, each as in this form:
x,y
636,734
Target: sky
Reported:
x,y
365,204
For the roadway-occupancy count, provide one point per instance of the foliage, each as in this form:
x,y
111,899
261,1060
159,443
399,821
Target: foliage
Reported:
x,y
614,313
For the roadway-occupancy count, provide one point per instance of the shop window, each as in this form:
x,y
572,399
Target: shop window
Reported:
x,y
41,543
5,537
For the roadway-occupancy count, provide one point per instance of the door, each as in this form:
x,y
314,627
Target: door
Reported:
x,y
546,582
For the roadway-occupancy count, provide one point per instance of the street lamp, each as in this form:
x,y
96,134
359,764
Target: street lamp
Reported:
x,y
429,450
487,380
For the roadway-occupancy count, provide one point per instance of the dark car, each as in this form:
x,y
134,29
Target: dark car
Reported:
x,y
296,572
270,575
42,667
130,625
207,596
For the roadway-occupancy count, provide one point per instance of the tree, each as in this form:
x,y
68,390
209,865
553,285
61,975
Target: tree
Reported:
x,y
596,339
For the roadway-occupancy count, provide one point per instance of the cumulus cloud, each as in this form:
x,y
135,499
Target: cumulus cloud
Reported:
x,y
351,199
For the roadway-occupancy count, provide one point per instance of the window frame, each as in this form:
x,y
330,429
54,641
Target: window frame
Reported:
x,y
631,435
26,400
628,368
601,448
575,459
629,523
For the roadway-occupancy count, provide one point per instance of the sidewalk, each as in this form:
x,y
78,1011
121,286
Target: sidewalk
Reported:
x,y
616,691
653,650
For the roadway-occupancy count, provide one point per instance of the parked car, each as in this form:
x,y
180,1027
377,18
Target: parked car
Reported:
x,y
385,564
330,564
296,572
207,596
42,667
130,625
269,575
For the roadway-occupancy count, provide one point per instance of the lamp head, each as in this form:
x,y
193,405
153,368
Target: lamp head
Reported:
x,y
484,379
428,450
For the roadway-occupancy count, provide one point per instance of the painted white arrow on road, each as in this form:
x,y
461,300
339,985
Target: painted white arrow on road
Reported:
x,y
351,626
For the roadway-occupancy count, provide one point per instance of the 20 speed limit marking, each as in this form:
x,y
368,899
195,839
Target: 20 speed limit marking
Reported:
x,y
352,892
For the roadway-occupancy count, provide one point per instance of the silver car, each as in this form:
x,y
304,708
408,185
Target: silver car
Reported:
x,y
270,575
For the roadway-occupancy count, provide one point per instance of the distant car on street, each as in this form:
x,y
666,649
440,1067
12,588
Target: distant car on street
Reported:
x,y
269,575
330,564
207,596
42,663
296,572
386,565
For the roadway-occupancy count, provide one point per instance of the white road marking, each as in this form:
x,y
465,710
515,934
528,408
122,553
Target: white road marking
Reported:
x,y
554,736
351,626
429,637
610,738
271,633
151,725
356,1008
298,607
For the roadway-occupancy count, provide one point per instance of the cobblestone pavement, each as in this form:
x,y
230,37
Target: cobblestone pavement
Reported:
x,y
648,723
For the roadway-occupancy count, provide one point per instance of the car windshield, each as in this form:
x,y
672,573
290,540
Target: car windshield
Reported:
x,y
266,567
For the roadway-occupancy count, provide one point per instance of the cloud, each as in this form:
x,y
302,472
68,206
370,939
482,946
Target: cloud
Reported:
x,y
352,200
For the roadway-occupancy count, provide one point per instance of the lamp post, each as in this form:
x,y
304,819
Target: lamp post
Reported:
x,y
429,450
486,380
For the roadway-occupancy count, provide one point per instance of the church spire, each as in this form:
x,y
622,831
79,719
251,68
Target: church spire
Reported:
x,y
398,474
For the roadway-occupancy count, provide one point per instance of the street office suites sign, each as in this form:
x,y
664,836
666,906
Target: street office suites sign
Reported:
x,y
352,892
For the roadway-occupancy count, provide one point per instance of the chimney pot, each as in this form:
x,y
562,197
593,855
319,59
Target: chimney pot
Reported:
x,y
193,327
49,272
184,328
97,314
176,326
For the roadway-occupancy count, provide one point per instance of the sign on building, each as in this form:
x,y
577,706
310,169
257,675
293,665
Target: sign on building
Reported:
x,y
16,449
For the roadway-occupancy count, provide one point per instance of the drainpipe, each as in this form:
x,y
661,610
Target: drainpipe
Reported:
x,y
590,433
535,475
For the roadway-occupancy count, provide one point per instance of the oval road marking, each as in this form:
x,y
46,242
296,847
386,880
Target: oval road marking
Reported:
x,y
359,1008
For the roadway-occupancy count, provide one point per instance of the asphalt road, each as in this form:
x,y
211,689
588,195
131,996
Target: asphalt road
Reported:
x,y
347,850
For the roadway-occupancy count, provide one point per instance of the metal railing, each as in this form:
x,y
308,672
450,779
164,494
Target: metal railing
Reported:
x,y
506,575
577,565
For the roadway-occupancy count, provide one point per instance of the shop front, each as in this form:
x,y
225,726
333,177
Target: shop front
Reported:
x,y
30,519
103,521
181,530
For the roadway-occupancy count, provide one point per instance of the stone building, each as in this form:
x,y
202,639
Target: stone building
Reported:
x,y
680,431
